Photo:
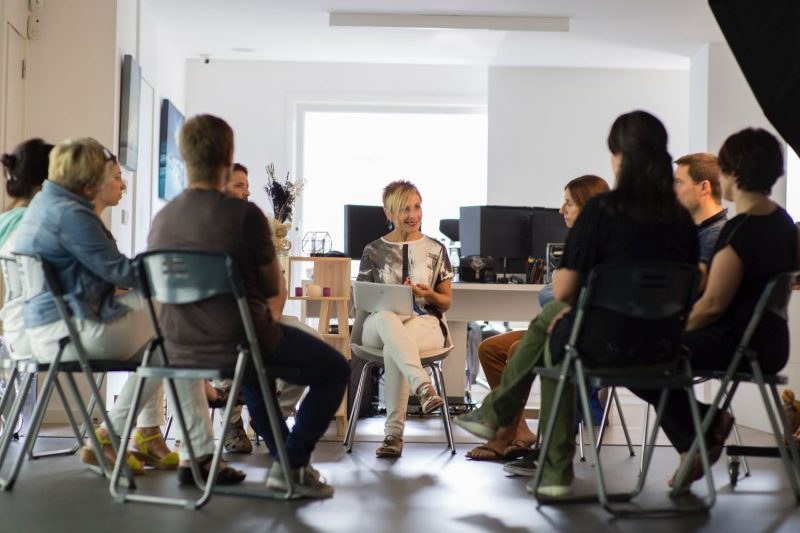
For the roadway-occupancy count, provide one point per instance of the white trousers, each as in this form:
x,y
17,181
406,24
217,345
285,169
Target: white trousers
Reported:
x,y
402,339
124,339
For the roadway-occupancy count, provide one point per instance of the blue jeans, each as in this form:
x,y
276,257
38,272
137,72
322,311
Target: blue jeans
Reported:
x,y
301,359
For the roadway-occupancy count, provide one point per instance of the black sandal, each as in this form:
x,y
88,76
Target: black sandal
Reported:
x,y
226,476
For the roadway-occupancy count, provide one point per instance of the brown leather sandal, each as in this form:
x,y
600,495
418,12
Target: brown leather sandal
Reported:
x,y
390,447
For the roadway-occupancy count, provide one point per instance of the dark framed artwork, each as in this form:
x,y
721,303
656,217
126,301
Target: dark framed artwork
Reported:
x,y
171,170
131,84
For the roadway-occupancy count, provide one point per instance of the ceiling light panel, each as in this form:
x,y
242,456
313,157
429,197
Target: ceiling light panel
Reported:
x,y
469,22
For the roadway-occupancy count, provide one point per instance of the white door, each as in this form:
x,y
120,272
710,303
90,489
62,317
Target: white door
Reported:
x,y
14,90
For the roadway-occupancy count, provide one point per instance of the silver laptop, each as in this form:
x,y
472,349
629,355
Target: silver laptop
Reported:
x,y
373,297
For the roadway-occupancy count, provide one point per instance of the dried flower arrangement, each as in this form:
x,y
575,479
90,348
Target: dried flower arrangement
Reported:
x,y
282,194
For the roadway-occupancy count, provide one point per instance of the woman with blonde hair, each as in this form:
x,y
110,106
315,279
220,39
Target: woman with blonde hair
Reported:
x,y
406,256
61,226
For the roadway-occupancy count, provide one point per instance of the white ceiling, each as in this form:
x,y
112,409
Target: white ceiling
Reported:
x,y
603,33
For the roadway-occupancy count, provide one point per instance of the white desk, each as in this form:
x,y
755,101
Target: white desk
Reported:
x,y
520,303
483,301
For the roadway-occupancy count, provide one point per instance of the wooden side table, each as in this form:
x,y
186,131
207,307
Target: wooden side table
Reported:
x,y
331,273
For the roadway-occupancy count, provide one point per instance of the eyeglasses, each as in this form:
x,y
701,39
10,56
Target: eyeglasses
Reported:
x,y
108,156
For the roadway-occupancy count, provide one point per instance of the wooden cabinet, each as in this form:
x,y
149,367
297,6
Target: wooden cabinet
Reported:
x,y
332,273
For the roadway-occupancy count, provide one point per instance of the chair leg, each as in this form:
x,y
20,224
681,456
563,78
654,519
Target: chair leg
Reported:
x,y
5,440
438,378
644,435
548,431
580,442
622,422
738,438
353,420
699,446
79,432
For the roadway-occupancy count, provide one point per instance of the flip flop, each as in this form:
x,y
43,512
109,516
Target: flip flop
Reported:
x,y
494,455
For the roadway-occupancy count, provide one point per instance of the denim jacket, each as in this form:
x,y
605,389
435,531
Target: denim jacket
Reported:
x,y
63,229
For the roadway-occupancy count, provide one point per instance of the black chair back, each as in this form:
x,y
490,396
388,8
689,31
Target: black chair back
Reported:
x,y
633,313
774,299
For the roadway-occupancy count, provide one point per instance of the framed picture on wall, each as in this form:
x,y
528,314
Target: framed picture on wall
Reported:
x,y
129,113
171,171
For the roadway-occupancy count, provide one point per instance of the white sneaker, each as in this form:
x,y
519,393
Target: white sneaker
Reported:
x,y
550,491
308,483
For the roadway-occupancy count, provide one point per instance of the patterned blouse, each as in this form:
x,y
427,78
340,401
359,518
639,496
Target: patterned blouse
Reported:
x,y
382,262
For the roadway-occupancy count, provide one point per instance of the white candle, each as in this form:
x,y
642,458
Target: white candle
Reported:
x,y
314,291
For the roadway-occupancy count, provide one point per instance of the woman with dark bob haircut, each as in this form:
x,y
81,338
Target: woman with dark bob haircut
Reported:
x,y
640,220
759,242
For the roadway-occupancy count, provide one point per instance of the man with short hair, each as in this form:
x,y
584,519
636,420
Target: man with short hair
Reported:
x,y
238,184
697,187
204,218
234,438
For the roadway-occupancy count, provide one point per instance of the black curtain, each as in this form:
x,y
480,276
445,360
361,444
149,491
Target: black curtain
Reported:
x,y
764,36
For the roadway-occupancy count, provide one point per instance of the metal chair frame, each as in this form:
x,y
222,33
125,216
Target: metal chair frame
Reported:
x,y
651,291
39,276
374,358
183,277
774,299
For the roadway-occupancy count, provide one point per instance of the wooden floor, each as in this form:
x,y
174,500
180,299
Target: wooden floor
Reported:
x,y
427,490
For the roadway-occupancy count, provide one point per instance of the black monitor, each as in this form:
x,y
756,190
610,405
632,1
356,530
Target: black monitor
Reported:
x,y
362,225
449,228
502,232
547,226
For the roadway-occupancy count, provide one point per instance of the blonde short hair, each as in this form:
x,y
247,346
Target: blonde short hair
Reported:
x,y
396,195
77,163
206,144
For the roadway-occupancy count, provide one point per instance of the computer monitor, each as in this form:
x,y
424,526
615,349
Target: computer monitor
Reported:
x,y
362,225
502,232
547,226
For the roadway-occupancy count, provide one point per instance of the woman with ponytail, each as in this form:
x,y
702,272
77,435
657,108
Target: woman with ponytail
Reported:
x,y
640,220
25,169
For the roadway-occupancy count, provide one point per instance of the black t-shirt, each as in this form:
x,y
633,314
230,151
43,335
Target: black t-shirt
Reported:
x,y
211,221
602,236
766,245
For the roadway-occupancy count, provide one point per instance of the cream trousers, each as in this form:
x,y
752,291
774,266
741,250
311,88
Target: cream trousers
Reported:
x,y
124,339
402,339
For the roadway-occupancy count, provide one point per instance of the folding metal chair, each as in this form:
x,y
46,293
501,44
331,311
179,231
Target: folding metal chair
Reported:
x,y
652,293
774,299
374,357
40,276
612,397
182,277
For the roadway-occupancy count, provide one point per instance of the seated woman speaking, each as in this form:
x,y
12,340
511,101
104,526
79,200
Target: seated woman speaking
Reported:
x,y
406,256
61,227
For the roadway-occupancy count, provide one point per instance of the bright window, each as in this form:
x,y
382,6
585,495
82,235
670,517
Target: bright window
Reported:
x,y
349,156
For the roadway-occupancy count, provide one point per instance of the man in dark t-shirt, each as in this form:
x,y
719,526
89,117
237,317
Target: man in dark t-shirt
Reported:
x,y
204,218
698,189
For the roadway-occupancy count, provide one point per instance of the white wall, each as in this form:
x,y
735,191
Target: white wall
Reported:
x,y
722,103
72,72
549,125
163,68
259,100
